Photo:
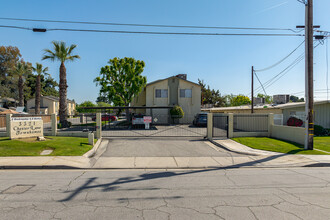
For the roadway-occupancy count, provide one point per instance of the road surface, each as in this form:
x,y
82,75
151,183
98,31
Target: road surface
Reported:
x,y
255,193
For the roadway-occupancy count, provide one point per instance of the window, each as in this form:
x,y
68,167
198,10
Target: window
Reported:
x,y
185,93
161,93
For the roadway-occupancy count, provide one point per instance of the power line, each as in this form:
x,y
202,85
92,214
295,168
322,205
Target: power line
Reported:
x,y
158,33
151,25
15,27
279,62
316,90
260,82
171,33
284,72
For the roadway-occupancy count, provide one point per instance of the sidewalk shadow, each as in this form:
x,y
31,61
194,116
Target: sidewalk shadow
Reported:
x,y
158,175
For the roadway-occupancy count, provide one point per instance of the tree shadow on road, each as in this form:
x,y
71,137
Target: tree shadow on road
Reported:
x,y
157,175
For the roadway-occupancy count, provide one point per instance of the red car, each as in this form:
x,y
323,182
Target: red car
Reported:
x,y
107,118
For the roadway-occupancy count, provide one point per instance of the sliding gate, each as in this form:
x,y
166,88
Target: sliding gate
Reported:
x,y
115,123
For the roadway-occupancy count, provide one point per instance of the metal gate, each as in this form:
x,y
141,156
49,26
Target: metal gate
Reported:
x,y
161,126
220,126
116,124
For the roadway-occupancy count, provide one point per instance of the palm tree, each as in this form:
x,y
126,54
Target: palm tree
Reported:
x,y
40,71
61,53
20,70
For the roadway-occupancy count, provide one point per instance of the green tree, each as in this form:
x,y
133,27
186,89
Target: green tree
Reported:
x,y
268,98
49,87
9,57
122,80
39,70
102,98
20,71
240,100
63,54
103,104
210,96
296,99
79,108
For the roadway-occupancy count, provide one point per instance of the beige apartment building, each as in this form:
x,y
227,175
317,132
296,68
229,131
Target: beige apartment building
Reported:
x,y
175,90
50,105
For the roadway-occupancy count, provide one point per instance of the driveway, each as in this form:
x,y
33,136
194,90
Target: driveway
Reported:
x,y
158,131
163,147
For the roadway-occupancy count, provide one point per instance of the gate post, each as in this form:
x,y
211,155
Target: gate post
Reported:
x,y
209,126
270,123
230,125
8,119
98,125
54,124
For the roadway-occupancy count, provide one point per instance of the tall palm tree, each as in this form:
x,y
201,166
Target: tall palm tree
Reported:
x,y
20,70
40,71
62,53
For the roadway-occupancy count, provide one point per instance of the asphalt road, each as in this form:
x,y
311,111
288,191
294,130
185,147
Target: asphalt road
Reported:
x,y
163,147
300,193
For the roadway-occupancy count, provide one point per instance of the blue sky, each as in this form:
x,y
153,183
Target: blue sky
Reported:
x,y
223,62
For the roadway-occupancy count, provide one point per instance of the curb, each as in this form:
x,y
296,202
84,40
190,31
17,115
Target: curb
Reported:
x,y
64,167
230,150
92,151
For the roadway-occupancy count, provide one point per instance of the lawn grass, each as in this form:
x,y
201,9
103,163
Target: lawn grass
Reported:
x,y
271,144
62,146
322,143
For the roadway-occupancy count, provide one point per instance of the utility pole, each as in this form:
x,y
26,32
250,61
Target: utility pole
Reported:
x,y
309,90
252,102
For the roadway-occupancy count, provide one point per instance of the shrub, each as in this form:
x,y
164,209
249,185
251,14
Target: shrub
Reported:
x,y
320,131
293,121
59,125
176,112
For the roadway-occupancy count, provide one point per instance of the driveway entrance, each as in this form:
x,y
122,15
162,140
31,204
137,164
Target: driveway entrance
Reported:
x,y
163,147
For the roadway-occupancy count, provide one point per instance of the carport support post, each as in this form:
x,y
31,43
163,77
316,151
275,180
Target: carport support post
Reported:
x,y
8,119
209,126
98,125
54,124
230,125
270,123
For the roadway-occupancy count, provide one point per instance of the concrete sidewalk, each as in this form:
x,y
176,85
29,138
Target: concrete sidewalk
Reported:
x,y
249,158
80,162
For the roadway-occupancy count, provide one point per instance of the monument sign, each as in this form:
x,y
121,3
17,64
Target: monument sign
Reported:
x,y
26,127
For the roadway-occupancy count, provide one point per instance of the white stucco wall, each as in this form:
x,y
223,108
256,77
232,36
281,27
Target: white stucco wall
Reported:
x,y
322,114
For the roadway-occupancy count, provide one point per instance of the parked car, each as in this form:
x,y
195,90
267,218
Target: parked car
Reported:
x,y
200,120
137,119
106,117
